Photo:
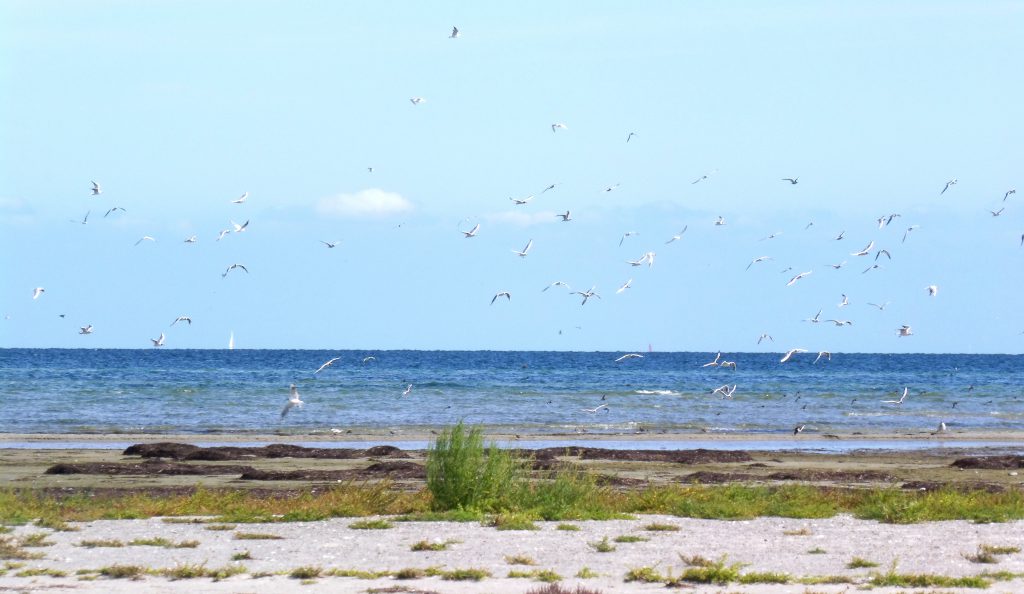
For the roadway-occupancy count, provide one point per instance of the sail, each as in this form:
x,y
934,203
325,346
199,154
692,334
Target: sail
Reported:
x,y
231,341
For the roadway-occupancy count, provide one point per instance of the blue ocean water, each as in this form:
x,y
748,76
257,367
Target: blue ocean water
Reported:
x,y
82,391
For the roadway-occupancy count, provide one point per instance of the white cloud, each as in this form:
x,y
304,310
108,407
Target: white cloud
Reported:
x,y
522,219
372,202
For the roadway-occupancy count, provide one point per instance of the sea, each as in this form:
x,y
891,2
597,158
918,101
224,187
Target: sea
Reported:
x,y
79,392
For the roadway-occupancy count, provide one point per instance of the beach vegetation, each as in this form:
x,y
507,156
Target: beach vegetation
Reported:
x,y
805,531
586,573
54,523
121,572
257,536
464,474
511,521
432,545
765,577
163,542
541,575
242,556
41,572
568,527
184,571
409,573
375,524
185,520
36,539
360,574
102,542
695,560
10,548
469,574
926,580
714,572
657,527
306,572
558,589
602,546
519,560
998,550
630,538
859,563
218,527
817,580
644,574
816,551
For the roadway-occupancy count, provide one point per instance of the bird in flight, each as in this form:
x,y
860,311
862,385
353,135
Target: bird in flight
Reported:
x,y
625,235
907,232
631,135
240,199
96,190
37,292
326,365
472,232
1007,194
624,287
715,362
85,219
798,429
595,410
870,268
417,100
719,221
826,354
883,251
772,236
408,390
144,238
865,251
789,354
844,302
815,319
113,209
933,290
841,323
222,233
191,239
900,401
996,213
293,400
85,329
798,277
884,220
840,236
521,201
557,125
904,330
455,33
158,342
839,265
551,187
758,259
240,228
333,244
629,356
726,391
232,267
791,180
951,182
611,188
182,319
525,250
586,295
504,294
881,307
678,236
764,336
555,284
731,364
369,359
565,217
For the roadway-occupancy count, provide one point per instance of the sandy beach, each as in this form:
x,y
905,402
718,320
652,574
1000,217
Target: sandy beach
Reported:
x,y
810,552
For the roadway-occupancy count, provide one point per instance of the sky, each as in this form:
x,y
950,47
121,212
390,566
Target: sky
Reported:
x,y
178,108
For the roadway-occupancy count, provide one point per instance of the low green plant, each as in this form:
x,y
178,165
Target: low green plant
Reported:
x,y
377,524
306,572
219,527
859,563
602,546
360,574
512,522
41,571
817,580
463,474
36,539
92,544
805,531
586,573
765,577
163,542
630,538
998,550
569,527
816,551
715,572
470,574
257,536
644,574
918,580
656,527
519,560
242,556
431,545
131,572
695,560
185,571
54,523
410,573
11,548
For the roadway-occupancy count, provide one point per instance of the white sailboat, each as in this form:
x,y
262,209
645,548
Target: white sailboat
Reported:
x,y
231,341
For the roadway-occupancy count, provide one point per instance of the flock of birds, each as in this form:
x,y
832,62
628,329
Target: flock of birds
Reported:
x,y
874,256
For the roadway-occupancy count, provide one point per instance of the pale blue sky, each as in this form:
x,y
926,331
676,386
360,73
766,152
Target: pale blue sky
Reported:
x,y
177,108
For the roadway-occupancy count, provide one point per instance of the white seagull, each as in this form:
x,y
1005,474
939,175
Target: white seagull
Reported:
x,y
182,319
629,356
330,244
471,232
900,401
791,180
789,354
996,213
408,390
96,190
191,239
565,217
838,266
881,307
37,292
239,228
726,390
293,400
951,182
764,336
556,126
326,365
815,319
240,199
865,251
144,238
678,236
113,209
630,135
625,235
715,362
798,277
904,330
844,302
504,294
232,267
85,329
933,290
158,342
826,354
1007,194
526,250
455,33
840,236
587,295
595,410
555,284
720,221
907,232
521,201
417,100
222,233
758,259
624,287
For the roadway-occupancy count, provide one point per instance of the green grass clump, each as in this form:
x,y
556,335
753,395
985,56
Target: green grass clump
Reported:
x,y
644,574
558,589
427,545
242,556
519,560
463,474
816,551
378,524
765,577
512,522
410,573
918,580
656,527
470,574
817,580
221,527
37,539
602,546
998,550
360,574
630,538
120,572
569,527
184,571
541,575
92,544
41,571
306,572
257,536
695,560
54,523
587,573
163,542
12,549
859,563
714,572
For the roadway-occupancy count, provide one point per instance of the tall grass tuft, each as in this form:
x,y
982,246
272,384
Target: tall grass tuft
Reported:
x,y
464,474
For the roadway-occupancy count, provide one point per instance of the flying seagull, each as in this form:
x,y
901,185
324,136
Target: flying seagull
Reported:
x,y
521,201
222,233
586,295
798,429
844,302
240,199
1007,194
555,284
504,294
719,221
624,287
865,251
933,290
556,126
191,239
826,354
715,362
471,232
525,250
678,236
764,336
951,182
758,259
85,329
840,236
815,319
96,190
144,238
417,100
881,307
996,213
326,365
904,330
37,292
293,400
625,235
408,390
182,319
789,354
900,401
791,180
631,135
158,342
565,217
594,411
232,267
239,228
907,232
798,277
330,244
455,33
114,209
629,356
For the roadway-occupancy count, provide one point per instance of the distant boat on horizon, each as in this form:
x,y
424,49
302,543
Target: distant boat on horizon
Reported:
x,y
231,341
